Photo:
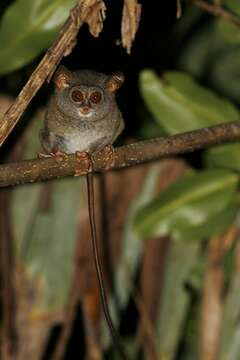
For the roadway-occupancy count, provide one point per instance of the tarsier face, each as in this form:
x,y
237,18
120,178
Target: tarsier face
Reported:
x,y
86,99
85,95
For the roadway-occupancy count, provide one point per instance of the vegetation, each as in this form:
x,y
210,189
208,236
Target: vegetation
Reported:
x,y
169,230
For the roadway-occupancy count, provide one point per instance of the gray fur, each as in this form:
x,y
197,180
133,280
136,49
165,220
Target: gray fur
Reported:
x,y
66,130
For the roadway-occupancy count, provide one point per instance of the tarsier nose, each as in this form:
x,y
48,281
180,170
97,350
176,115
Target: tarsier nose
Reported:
x,y
85,109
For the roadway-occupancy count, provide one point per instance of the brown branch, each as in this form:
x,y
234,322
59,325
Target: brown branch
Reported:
x,y
28,171
83,11
212,302
217,10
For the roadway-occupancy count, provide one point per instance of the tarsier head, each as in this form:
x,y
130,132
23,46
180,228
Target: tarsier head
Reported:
x,y
85,94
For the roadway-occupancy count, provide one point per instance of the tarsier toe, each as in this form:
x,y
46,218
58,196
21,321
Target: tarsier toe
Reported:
x,y
108,156
60,156
85,160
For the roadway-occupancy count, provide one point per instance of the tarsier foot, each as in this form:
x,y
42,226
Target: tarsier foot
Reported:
x,y
108,156
59,156
85,159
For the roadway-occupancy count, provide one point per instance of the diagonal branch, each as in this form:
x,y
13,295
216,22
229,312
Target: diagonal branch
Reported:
x,y
82,12
29,171
216,10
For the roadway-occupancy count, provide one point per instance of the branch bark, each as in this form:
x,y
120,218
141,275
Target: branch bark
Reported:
x,y
29,171
216,10
61,47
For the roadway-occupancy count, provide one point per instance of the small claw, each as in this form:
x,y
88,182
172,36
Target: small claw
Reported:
x,y
41,155
84,158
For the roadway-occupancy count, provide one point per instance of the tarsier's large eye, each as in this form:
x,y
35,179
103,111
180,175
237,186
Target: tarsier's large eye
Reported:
x,y
77,96
95,97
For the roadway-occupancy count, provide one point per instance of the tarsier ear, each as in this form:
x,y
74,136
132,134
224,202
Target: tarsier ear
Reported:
x,y
62,78
114,82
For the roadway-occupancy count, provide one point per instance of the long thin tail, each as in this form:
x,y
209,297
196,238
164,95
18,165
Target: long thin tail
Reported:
x,y
91,210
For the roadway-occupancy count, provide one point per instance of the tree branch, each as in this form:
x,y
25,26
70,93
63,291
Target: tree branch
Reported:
x,y
29,171
61,47
216,10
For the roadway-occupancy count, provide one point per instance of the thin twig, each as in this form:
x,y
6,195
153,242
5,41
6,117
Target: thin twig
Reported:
x,y
61,47
212,302
217,10
28,171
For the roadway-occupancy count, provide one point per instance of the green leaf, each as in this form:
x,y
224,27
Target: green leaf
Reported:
x,y
190,206
202,49
224,156
132,246
214,225
228,31
179,104
149,129
132,249
225,73
207,55
190,17
23,219
49,255
191,333
27,28
232,5
175,298
45,225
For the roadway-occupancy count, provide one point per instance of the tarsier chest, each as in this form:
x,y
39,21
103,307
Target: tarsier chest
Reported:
x,y
91,137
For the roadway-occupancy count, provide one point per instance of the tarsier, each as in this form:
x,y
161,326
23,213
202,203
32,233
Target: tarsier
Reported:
x,y
82,118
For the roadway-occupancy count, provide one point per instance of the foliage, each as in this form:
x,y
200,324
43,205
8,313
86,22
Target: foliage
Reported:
x,y
25,37
179,103
191,209
188,209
